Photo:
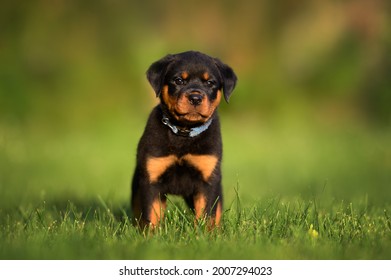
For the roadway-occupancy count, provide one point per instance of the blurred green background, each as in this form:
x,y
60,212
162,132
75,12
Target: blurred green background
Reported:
x,y
310,115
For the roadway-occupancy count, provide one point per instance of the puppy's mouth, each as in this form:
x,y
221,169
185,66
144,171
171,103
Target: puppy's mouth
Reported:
x,y
191,116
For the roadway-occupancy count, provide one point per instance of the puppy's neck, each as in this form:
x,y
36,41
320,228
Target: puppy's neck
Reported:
x,y
184,131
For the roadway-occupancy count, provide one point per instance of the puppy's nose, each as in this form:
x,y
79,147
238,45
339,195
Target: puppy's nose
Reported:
x,y
195,99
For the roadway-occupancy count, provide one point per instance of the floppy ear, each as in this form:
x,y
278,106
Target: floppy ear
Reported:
x,y
157,71
228,78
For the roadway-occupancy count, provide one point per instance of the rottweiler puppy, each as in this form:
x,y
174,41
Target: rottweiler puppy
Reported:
x,y
180,150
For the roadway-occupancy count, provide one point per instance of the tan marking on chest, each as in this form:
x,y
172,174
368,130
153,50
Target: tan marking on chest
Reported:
x,y
205,164
156,166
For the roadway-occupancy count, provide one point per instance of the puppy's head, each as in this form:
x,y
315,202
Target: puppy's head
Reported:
x,y
190,85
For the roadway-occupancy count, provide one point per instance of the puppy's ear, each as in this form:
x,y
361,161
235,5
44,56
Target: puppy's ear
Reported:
x,y
228,78
157,71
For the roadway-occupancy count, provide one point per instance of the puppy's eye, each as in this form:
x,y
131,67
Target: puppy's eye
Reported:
x,y
210,83
179,81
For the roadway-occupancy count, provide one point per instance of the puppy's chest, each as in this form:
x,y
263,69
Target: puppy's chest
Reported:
x,y
178,166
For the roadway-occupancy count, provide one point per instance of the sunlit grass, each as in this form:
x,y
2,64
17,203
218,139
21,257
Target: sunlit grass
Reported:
x,y
269,229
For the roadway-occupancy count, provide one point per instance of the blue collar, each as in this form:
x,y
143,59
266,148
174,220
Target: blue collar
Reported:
x,y
191,132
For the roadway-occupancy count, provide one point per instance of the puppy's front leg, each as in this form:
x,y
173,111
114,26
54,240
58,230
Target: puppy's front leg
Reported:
x,y
148,204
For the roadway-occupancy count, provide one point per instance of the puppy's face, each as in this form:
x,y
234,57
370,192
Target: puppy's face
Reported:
x,y
190,85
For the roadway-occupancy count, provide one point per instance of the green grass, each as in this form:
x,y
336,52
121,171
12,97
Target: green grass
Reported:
x,y
267,230
293,190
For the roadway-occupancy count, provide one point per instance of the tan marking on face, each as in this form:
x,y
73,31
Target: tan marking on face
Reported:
x,y
168,99
206,164
156,166
189,112
157,211
184,107
181,108
199,205
205,76
200,113
185,75
215,103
